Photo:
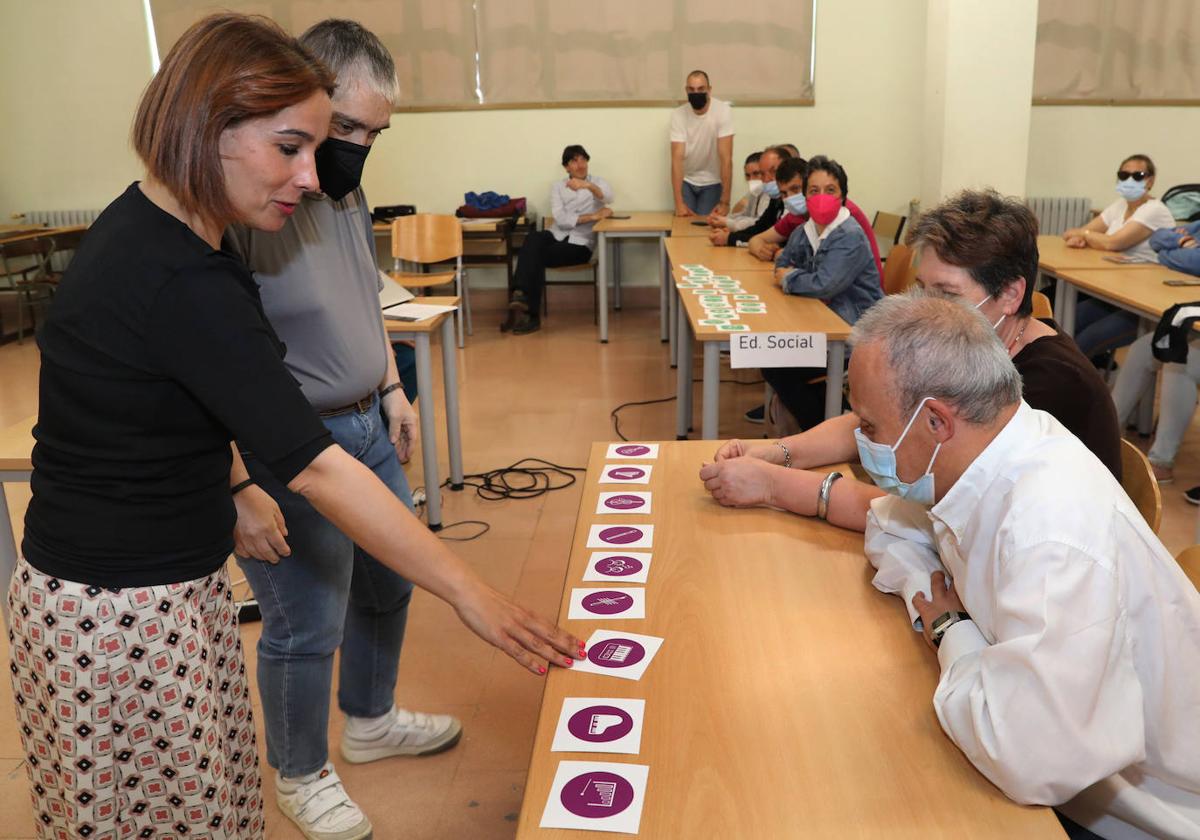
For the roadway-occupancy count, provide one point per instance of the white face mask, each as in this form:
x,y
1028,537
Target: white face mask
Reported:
x,y
996,325
754,187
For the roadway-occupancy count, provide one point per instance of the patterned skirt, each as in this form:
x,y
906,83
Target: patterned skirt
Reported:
x,y
134,709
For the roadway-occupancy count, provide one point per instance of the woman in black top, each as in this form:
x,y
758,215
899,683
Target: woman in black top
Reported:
x,y
127,670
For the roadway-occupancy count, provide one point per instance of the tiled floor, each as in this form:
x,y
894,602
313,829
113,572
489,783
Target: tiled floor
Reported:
x,y
546,395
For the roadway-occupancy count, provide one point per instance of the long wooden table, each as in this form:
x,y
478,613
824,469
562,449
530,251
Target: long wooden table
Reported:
x,y
16,465
1055,259
641,224
785,313
717,257
790,699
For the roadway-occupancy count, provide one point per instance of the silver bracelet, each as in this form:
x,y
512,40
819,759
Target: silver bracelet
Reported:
x,y
787,455
823,494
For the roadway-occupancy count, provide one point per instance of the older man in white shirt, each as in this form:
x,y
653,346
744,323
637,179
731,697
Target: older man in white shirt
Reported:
x,y
577,202
1068,638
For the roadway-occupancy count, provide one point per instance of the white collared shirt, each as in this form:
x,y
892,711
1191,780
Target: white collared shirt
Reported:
x,y
567,205
1077,680
810,228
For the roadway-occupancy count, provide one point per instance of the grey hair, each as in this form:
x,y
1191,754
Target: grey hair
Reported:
x,y
353,53
940,347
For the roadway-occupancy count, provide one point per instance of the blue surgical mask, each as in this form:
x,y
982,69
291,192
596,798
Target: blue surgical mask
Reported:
x,y
1131,190
771,188
796,204
879,460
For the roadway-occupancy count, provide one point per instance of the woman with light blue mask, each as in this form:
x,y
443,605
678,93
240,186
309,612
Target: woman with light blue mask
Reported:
x,y
1125,227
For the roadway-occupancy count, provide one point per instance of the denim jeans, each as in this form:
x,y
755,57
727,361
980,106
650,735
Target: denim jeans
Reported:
x,y
1100,327
701,200
1177,402
328,593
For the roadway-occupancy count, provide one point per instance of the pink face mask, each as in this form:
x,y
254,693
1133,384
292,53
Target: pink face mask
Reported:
x,y
823,208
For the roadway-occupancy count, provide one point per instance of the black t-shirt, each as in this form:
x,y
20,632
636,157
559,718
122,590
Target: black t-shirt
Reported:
x,y
155,354
1059,380
766,221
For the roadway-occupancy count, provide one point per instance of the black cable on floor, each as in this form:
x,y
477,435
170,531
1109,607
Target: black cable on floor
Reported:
x,y
520,480
617,419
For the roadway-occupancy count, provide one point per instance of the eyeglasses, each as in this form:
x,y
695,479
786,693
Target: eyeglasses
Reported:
x,y
1140,175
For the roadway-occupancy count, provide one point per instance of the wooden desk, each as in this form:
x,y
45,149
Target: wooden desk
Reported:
x,y
682,227
16,465
30,232
790,699
419,332
1055,258
641,224
785,313
720,258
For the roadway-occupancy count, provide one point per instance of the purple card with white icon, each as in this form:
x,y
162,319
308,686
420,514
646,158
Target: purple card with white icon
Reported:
x,y
612,603
618,567
632,451
618,654
596,796
621,536
599,724
626,501
626,474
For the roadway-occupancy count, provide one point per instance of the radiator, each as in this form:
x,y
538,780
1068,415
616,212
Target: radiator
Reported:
x,y
60,218
1055,215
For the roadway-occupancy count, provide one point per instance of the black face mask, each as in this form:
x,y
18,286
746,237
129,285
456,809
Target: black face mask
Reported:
x,y
698,100
340,166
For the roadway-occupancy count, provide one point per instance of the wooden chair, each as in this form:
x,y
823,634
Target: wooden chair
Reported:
x,y
1189,560
426,239
581,268
25,273
887,228
1041,306
899,272
1137,479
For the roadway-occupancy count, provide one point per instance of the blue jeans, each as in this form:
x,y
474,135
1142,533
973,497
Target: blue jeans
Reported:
x,y
328,593
1100,327
701,200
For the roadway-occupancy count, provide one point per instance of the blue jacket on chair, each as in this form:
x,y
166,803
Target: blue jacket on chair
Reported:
x,y
1166,243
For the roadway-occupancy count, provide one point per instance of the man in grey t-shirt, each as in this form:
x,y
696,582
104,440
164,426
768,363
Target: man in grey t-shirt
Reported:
x,y
320,290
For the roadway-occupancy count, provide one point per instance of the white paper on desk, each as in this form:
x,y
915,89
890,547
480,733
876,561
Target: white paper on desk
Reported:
x,y
596,796
414,311
618,566
618,654
599,724
392,292
621,536
624,502
608,604
626,474
632,450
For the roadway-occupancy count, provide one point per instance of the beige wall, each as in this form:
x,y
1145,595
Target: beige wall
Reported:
x,y
71,72
1075,151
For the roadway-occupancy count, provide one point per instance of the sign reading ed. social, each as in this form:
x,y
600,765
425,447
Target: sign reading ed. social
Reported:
x,y
777,349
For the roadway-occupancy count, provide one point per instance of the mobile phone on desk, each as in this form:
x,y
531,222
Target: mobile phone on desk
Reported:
x,y
615,216
1182,281
700,224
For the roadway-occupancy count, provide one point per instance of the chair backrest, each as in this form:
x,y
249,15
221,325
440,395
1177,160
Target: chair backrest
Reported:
x,y
426,238
1041,306
1189,560
29,252
1139,483
899,271
887,227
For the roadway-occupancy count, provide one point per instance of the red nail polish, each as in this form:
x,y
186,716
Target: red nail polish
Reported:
x,y
567,662
541,669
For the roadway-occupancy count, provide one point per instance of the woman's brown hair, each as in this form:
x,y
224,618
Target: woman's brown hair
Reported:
x,y
224,69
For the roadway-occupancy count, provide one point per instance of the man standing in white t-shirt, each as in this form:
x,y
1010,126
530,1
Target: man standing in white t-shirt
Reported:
x,y
701,151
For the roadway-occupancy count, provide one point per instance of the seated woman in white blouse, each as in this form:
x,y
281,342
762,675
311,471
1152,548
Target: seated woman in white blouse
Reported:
x,y
577,202
1124,226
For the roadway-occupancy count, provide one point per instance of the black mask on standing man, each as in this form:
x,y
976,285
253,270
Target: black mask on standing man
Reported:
x,y
698,100
340,166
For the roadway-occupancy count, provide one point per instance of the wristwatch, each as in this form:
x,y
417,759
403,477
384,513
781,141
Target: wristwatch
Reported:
x,y
943,623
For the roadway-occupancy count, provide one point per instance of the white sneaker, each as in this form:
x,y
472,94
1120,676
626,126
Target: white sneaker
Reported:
x,y
321,808
412,733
